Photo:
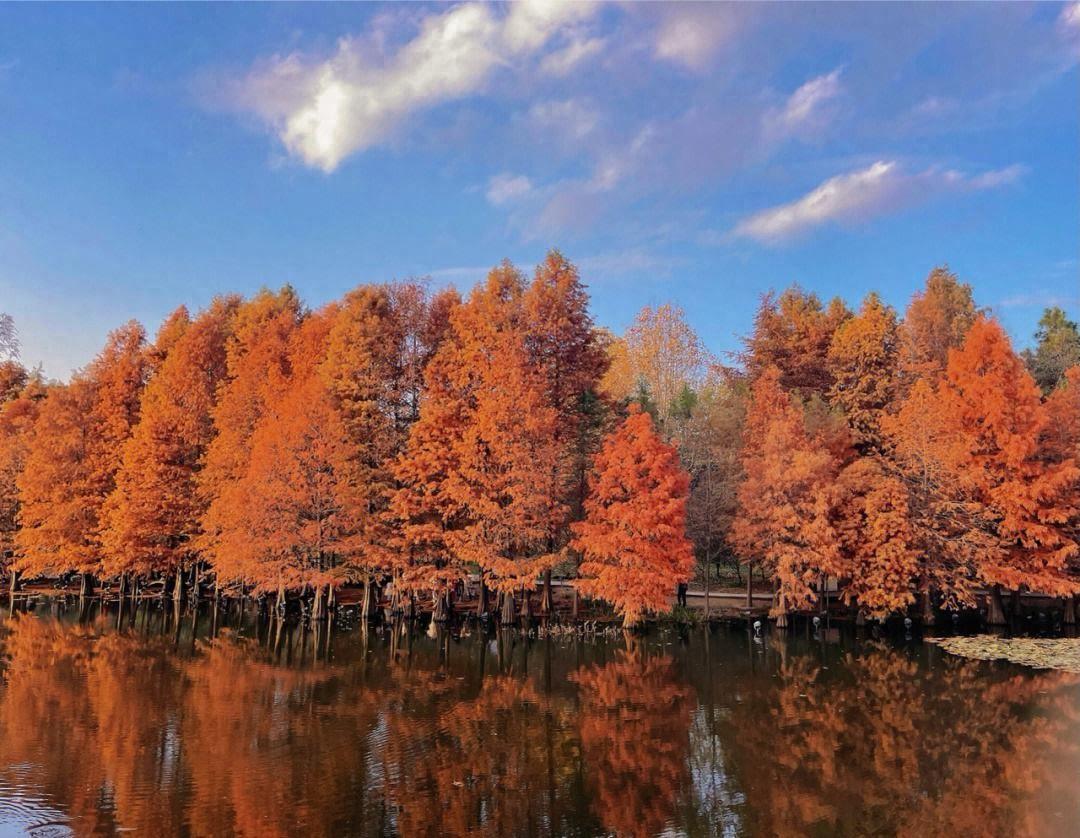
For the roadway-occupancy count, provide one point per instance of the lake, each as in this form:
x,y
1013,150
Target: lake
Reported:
x,y
224,724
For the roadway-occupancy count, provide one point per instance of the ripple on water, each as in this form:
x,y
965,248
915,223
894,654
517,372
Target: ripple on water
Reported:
x,y
25,814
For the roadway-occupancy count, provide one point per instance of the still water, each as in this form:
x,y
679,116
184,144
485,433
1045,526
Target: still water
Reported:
x,y
143,723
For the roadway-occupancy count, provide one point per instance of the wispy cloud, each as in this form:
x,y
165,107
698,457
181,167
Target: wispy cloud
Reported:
x,y
562,61
691,34
571,120
806,108
504,188
325,110
876,190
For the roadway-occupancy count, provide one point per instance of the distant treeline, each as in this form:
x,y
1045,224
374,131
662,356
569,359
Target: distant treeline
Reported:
x,y
414,439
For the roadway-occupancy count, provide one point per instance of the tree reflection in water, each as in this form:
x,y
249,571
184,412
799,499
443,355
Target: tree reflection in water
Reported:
x,y
208,727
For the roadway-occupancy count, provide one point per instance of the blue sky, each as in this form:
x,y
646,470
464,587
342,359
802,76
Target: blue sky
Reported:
x,y
159,154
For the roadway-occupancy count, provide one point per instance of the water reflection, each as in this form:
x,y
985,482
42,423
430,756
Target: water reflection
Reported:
x,y
207,724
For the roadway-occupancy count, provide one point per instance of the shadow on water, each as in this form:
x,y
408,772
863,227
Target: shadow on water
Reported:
x,y
218,721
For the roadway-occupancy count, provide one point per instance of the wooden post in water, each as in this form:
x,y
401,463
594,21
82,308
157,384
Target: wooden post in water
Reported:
x,y
546,599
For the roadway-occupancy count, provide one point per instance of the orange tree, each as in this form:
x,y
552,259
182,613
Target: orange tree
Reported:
x,y
996,421
153,514
785,501
74,456
633,539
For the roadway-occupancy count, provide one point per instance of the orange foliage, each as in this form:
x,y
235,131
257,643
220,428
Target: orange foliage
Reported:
x,y
862,361
936,320
793,333
18,413
994,415
153,515
783,520
75,453
633,539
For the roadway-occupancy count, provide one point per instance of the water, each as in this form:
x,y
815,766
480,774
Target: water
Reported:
x,y
112,723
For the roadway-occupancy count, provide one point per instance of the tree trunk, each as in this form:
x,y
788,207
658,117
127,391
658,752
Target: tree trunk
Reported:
x,y
280,606
178,587
574,607
1068,615
707,601
928,617
86,587
526,608
482,599
1014,604
749,587
366,609
329,600
317,607
782,620
995,608
14,587
547,600
860,619
508,612
442,611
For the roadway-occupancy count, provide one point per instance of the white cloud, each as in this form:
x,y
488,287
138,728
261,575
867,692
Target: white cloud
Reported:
x,y
561,62
806,108
878,189
1069,19
569,119
692,33
504,188
323,111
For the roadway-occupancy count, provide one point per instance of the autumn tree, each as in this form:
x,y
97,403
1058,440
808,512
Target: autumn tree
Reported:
x,y
153,514
19,407
785,501
936,320
633,539
1057,348
793,333
994,412
862,361
74,456
947,529
256,368
475,480
288,530
659,354
565,350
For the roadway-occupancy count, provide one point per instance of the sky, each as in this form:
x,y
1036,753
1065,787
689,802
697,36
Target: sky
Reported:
x,y
153,155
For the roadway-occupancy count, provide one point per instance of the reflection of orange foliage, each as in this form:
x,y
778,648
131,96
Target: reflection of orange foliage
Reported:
x,y
634,717
891,747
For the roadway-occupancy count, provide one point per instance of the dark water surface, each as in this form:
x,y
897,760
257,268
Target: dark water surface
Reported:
x,y
161,727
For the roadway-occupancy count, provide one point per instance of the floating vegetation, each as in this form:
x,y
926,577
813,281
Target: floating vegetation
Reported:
x,y
1038,652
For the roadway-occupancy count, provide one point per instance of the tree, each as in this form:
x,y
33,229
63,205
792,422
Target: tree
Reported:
x,y
873,523
74,456
9,338
564,348
660,352
936,320
18,413
785,500
1057,349
793,333
476,482
863,364
256,369
992,409
153,514
288,529
948,530
633,539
